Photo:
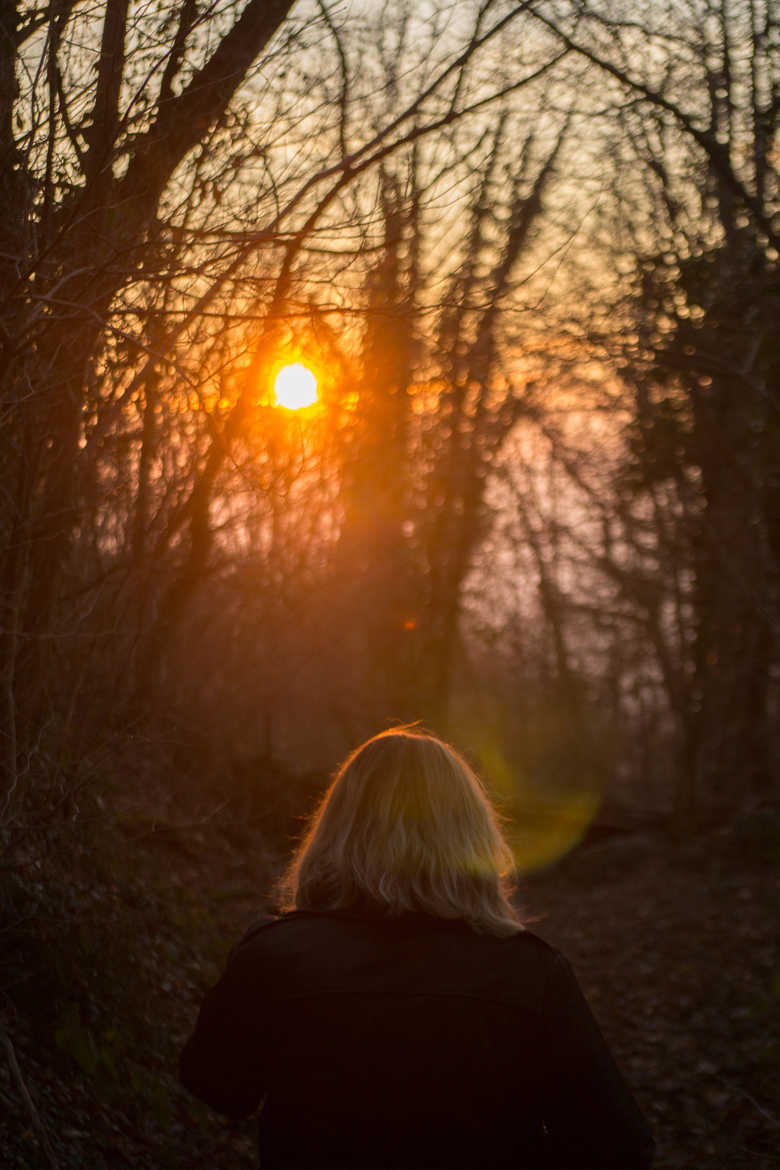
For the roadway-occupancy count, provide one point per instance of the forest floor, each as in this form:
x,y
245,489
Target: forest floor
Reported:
x,y
678,951
102,967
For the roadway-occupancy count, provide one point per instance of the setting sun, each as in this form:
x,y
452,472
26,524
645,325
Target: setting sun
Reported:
x,y
295,386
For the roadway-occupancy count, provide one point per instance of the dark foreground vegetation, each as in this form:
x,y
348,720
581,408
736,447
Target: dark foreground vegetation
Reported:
x,y
105,954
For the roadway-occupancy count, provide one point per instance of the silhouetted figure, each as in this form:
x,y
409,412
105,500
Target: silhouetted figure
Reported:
x,y
398,1015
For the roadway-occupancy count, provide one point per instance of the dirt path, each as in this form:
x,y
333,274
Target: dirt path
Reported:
x,y
677,949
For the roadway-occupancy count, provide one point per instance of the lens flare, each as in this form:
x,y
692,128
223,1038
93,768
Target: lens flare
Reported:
x,y
544,820
295,387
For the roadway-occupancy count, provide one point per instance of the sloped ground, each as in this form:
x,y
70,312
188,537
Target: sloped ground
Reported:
x,y
678,949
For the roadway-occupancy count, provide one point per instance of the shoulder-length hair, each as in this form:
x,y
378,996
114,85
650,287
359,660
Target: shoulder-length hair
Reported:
x,y
405,826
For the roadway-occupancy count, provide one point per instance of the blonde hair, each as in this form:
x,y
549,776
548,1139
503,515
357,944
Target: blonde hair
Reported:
x,y
405,826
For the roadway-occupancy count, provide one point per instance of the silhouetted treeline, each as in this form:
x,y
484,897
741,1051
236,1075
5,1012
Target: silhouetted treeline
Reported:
x,y
532,259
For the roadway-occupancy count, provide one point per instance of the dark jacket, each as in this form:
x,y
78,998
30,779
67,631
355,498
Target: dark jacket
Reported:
x,y
412,1043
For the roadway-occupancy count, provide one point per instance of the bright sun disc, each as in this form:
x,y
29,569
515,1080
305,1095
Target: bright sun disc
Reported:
x,y
295,386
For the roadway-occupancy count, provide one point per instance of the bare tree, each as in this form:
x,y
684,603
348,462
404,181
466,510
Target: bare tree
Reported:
x,y
690,107
175,183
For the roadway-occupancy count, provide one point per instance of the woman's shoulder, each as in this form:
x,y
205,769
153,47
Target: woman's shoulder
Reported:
x,y
270,931
305,951
262,922
530,940
270,928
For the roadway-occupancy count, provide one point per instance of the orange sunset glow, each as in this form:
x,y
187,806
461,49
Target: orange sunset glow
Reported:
x,y
295,386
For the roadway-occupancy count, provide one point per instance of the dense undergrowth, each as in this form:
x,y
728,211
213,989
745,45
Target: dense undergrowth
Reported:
x,y
109,937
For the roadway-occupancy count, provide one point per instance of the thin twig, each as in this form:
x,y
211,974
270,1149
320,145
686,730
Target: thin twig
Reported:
x,y
35,1116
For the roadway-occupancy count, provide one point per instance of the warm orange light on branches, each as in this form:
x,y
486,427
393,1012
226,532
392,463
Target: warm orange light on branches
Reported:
x,y
295,387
